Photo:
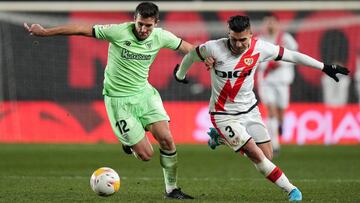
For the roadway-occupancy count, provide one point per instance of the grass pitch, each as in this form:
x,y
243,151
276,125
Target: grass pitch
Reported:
x,y
61,173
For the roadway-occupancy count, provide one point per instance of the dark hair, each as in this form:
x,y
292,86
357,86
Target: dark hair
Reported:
x,y
239,23
147,10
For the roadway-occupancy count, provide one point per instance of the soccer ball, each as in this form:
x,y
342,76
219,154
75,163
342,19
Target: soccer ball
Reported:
x,y
105,181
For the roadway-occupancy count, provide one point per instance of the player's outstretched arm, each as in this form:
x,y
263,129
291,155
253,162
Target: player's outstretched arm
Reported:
x,y
299,58
184,80
181,70
185,47
38,30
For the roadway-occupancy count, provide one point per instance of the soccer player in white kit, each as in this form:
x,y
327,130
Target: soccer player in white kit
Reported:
x,y
274,79
233,106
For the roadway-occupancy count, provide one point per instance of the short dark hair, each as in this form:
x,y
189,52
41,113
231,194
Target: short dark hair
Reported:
x,y
239,23
147,10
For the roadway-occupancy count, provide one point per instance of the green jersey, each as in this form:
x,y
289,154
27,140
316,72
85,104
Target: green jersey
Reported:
x,y
129,59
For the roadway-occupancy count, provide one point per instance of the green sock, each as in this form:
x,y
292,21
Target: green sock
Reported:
x,y
168,161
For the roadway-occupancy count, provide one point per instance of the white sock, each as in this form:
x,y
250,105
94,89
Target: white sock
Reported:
x,y
168,161
275,175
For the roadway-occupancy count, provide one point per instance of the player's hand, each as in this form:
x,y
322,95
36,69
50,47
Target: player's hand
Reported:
x,y
333,69
185,81
209,62
35,29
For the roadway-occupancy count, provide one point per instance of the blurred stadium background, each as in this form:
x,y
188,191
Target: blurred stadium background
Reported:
x,y
50,88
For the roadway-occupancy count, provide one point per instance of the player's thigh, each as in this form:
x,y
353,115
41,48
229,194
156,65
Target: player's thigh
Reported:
x,y
153,109
255,126
232,131
267,94
154,117
126,126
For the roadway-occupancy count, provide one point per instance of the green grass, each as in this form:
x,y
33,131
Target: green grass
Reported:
x,y
60,173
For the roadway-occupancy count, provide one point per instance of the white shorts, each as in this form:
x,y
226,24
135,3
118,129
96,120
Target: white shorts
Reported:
x,y
237,130
275,94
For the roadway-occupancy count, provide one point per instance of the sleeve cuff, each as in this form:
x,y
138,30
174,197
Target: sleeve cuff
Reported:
x,y
197,49
281,53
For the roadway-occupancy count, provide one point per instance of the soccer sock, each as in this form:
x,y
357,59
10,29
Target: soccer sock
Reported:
x,y
274,174
168,161
273,126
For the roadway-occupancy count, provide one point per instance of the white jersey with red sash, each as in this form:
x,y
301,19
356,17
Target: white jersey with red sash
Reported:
x,y
280,72
232,77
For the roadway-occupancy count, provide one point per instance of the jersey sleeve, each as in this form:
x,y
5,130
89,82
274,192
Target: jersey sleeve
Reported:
x,y
194,55
204,50
108,32
270,51
169,40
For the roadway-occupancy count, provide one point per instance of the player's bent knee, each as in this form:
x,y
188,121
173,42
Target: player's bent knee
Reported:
x,y
145,156
253,152
167,144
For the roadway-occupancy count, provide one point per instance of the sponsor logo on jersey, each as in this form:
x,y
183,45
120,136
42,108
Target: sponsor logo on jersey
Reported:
x,y
131,55
106,26
232,74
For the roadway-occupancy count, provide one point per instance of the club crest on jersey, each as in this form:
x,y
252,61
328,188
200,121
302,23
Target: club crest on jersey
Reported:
x,y
248,61
127,43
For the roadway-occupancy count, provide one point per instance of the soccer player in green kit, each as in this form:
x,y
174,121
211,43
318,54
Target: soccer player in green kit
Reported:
x,y
132,104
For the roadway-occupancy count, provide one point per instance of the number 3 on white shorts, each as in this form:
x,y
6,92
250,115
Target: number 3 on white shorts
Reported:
x,y
230,131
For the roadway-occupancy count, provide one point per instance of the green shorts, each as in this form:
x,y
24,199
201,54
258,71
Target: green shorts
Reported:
x,y
129,116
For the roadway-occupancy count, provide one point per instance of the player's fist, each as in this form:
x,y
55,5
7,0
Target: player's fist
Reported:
x,y
209,62
333,69
185,81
